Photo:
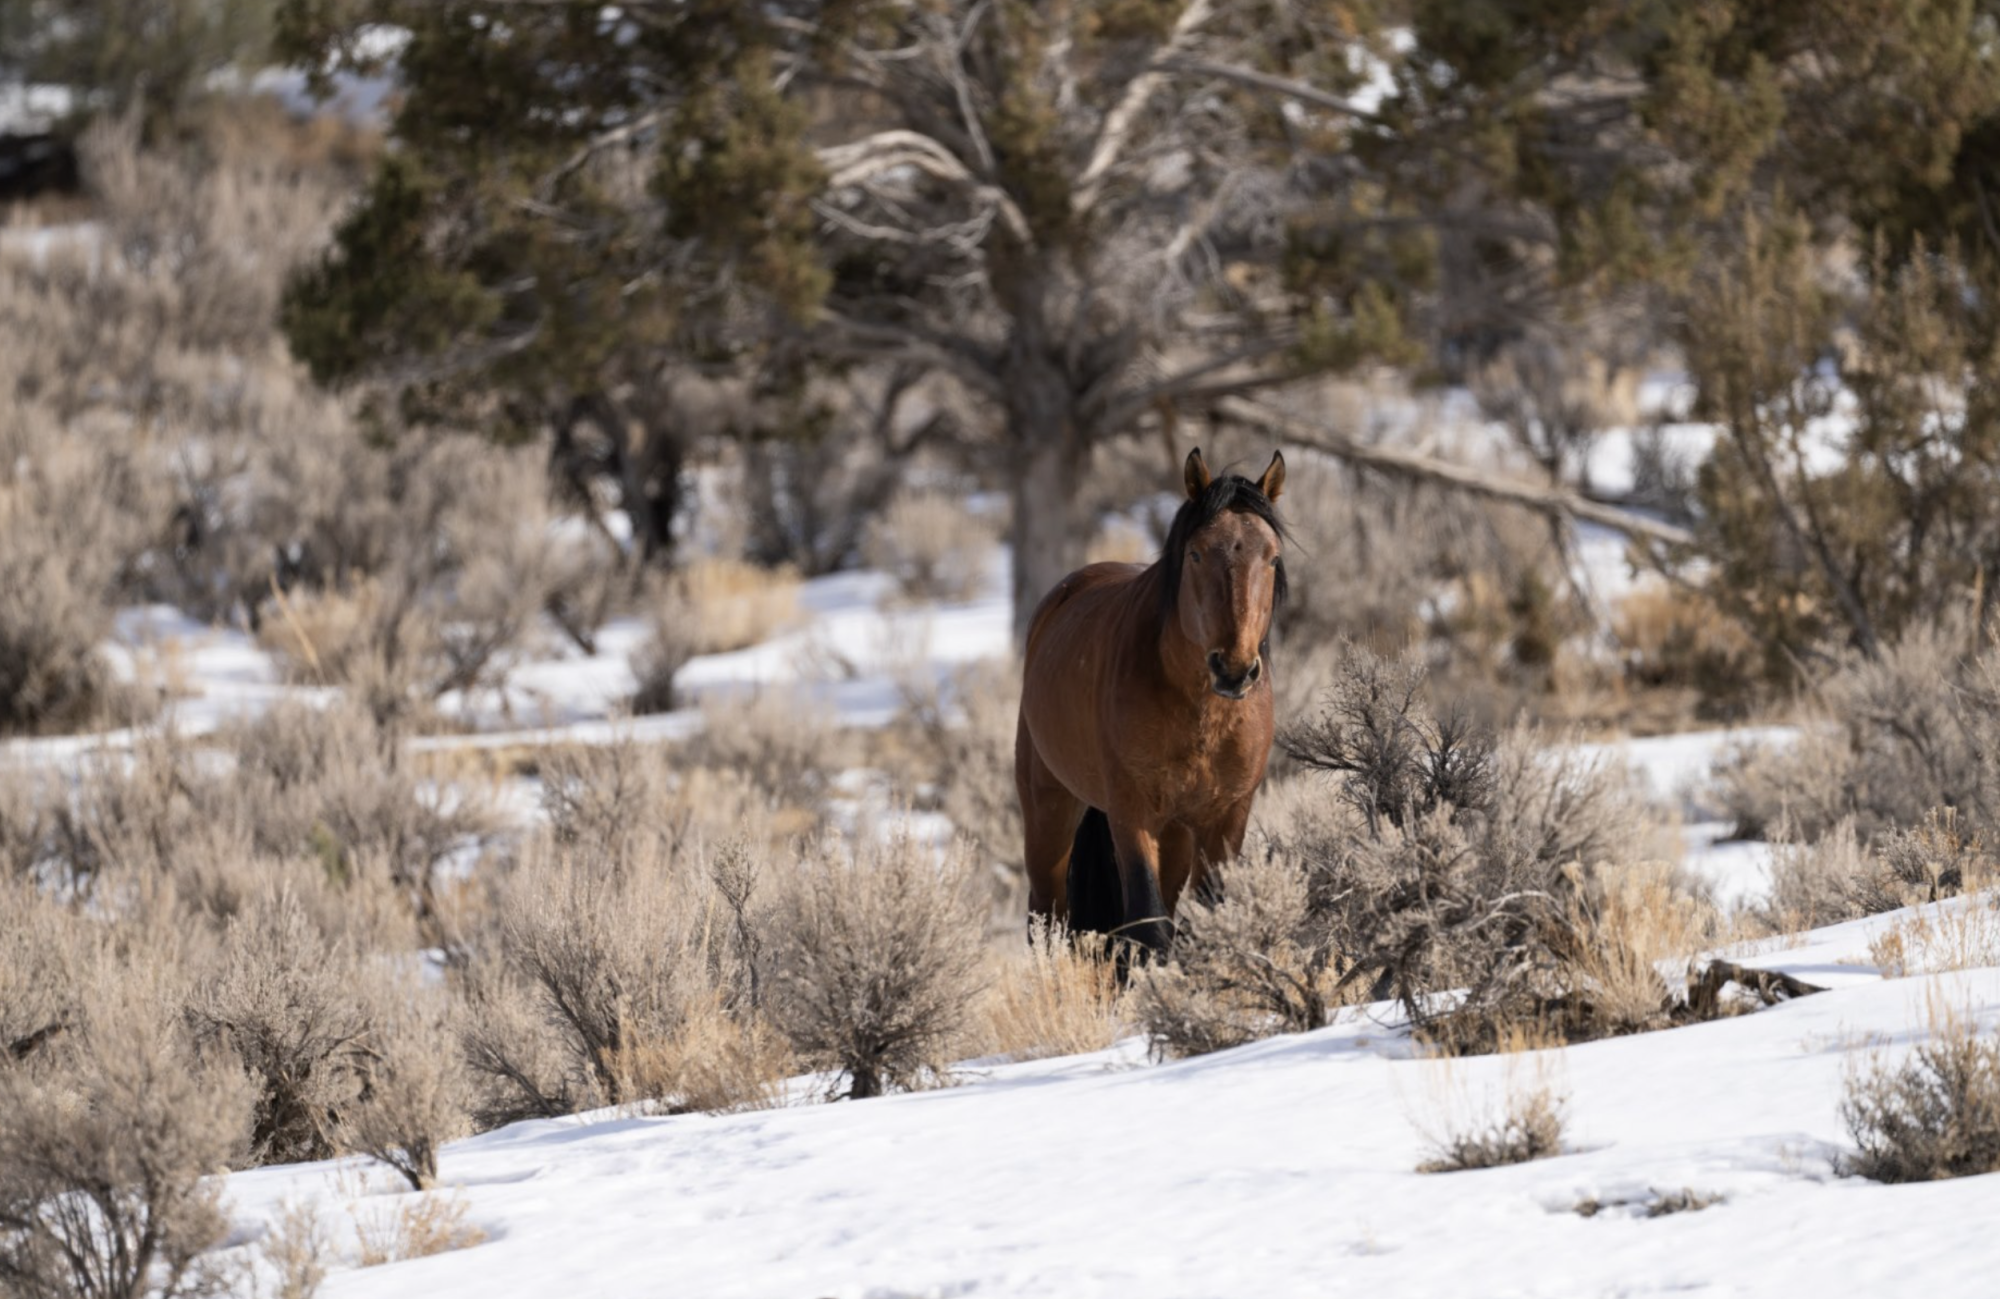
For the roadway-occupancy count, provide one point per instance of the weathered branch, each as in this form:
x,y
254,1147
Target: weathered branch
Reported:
x,y
850,165
545,189
1299,90
1457,477
1118,122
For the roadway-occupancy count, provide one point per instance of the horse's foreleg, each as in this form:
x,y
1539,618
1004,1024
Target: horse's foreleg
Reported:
x,y
1049,817
1177,864
1139,871
1218,844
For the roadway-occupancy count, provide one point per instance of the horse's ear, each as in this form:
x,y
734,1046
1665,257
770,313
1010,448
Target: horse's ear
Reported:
x,y
1273,481
1195,474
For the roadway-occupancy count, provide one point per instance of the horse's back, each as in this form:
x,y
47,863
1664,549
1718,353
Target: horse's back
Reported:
x,y
1084,595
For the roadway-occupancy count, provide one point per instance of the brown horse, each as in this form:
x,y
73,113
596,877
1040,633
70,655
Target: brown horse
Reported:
x,y
1146,715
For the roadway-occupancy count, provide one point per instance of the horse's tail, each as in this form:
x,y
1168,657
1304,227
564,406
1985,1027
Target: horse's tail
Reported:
x,y
1096,896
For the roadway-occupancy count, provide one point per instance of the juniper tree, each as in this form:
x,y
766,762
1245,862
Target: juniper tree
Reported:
x,y
1079,214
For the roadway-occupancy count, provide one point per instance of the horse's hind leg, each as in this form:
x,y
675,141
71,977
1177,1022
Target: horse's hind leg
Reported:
x,y
1049,817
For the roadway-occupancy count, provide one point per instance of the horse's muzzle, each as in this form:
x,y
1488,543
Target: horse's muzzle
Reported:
x,y
1228,684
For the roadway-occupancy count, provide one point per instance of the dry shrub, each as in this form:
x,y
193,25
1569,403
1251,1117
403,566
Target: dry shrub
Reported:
x,y
1524,1121
876,960
1060,998
521,1065
1252,962
1883,741
782,741
1824,882
1932,1115
1839,878
299,1012
1452,864
933,546
104,1160
608,802
643,979
1447,862
473,562
1674,638
728,604
432,1223
956,756
671,638
415,1094
72,509
1933,940
44,955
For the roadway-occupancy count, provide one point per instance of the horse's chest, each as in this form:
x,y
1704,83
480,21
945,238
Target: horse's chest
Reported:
x,y
1203,766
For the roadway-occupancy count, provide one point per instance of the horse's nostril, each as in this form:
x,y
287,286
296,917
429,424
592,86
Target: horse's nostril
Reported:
x,y
1256,670
1215,662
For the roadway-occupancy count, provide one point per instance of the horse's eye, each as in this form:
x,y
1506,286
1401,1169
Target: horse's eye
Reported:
x,y
1195,555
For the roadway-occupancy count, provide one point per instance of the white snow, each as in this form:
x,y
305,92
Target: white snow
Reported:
x,y
1281,1168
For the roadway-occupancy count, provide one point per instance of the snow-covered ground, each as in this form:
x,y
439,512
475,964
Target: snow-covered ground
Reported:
x,y
1282,1168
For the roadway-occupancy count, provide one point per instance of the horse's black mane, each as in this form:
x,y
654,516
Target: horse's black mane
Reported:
x,y
1225,494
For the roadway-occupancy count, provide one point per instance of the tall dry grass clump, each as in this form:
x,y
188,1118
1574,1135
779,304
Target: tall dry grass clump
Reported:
x,y
876,961
1057,998
1520,1120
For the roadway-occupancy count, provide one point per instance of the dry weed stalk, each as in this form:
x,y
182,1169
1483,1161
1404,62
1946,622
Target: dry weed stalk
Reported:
x,y
1523,1121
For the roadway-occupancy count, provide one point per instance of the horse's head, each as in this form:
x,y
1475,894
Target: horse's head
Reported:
x,y
1225,566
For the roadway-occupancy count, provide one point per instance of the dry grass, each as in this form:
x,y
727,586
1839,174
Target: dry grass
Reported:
x,y
1937,939
1056,998
1623,925
1676,639
1933,1114
413,1227
1522,1120
730,604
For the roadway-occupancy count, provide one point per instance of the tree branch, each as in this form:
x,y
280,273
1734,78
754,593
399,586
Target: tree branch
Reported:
x,y
1299,90
1456,477
850,165
1118,122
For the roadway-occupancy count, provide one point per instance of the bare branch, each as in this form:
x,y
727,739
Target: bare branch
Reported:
x,y
852,164
1299,90
1118,123
1444,473
545,189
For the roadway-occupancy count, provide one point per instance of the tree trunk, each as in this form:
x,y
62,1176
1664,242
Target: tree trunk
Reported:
x,y
1051,455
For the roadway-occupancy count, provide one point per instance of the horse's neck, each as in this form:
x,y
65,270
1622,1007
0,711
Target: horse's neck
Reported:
x,y
1178,659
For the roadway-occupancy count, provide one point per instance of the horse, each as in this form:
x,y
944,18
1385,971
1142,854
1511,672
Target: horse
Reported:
x,y
1146,715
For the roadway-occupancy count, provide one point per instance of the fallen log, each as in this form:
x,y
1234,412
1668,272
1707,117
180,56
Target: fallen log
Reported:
x,y
1770,986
